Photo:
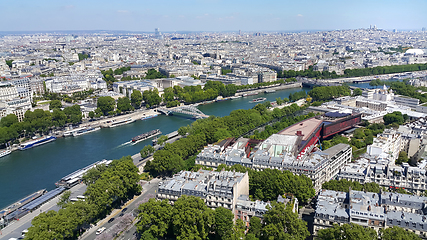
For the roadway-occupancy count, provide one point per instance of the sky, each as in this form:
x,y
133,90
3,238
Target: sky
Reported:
x,y
211,15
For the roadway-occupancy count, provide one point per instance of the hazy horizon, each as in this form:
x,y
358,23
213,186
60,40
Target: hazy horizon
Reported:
x,y
212,15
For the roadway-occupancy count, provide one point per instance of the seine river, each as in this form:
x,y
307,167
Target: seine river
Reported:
x,y
24,172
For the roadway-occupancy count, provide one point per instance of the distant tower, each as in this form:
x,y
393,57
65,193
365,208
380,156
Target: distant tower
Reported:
x,y
157,33
217,55
240,32
423,29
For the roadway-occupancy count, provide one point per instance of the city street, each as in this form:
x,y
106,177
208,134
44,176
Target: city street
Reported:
x,y
149,191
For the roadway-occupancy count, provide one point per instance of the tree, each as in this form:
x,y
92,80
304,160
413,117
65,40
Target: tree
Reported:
x,y
348,232
155,217
168,94
282,223
251,236
279,101
44,227
9,63
147,236
94,174
359,133
191,218
255,226
403,158
55,104
136,98
9,120
239,229
223,223
59,118
394,117
183,130
151,97
91,114
396,232
106,104
162,139
123,104
146,151
73,113
65,197
357,92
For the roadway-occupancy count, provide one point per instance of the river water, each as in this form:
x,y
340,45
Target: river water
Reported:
x,y
367,86
24,172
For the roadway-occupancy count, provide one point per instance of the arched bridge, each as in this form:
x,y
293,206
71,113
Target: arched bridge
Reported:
x,y
187,110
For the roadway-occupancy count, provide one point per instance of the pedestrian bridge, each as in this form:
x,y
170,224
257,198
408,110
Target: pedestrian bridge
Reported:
x,y
186,110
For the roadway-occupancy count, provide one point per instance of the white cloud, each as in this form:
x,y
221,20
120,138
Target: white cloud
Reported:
x,y
122,11
300,15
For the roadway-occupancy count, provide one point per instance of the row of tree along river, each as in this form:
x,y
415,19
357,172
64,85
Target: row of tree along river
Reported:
x,y
24,172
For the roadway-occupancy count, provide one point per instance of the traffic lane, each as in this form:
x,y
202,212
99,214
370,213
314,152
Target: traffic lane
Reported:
x,y
129,234
150,193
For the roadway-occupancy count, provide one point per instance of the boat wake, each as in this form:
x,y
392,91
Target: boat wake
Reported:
x,y
124,144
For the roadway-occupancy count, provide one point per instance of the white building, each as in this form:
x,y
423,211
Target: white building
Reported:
x,y
386,145
8,91
217,189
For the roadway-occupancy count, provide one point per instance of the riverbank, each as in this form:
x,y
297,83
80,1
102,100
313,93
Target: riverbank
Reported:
x,y
372,77
24,172
261,90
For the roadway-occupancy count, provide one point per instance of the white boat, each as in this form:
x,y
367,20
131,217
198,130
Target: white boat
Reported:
x,y
36,142
250,94
72,131
121,122
4,153
149,116
270,91
85,130
259,100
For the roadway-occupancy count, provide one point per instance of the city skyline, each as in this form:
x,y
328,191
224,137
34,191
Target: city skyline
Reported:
x,y
213,15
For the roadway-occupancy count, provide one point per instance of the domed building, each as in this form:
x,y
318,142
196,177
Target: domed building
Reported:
x,y
415,52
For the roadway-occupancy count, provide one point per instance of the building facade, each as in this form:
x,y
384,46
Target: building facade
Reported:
x,y
217,189
371,210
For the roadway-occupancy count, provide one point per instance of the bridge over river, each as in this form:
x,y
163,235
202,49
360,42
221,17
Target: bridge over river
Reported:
x,y
186,110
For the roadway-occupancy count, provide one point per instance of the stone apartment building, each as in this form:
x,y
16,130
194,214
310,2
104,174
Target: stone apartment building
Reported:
x,y
386,145
217,189
246,209
279,152
373,210
387,175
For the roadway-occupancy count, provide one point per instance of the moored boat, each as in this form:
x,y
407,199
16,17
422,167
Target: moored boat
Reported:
x,y
85,130
149,116
36,142
4,153
72,131
250,94
121,122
